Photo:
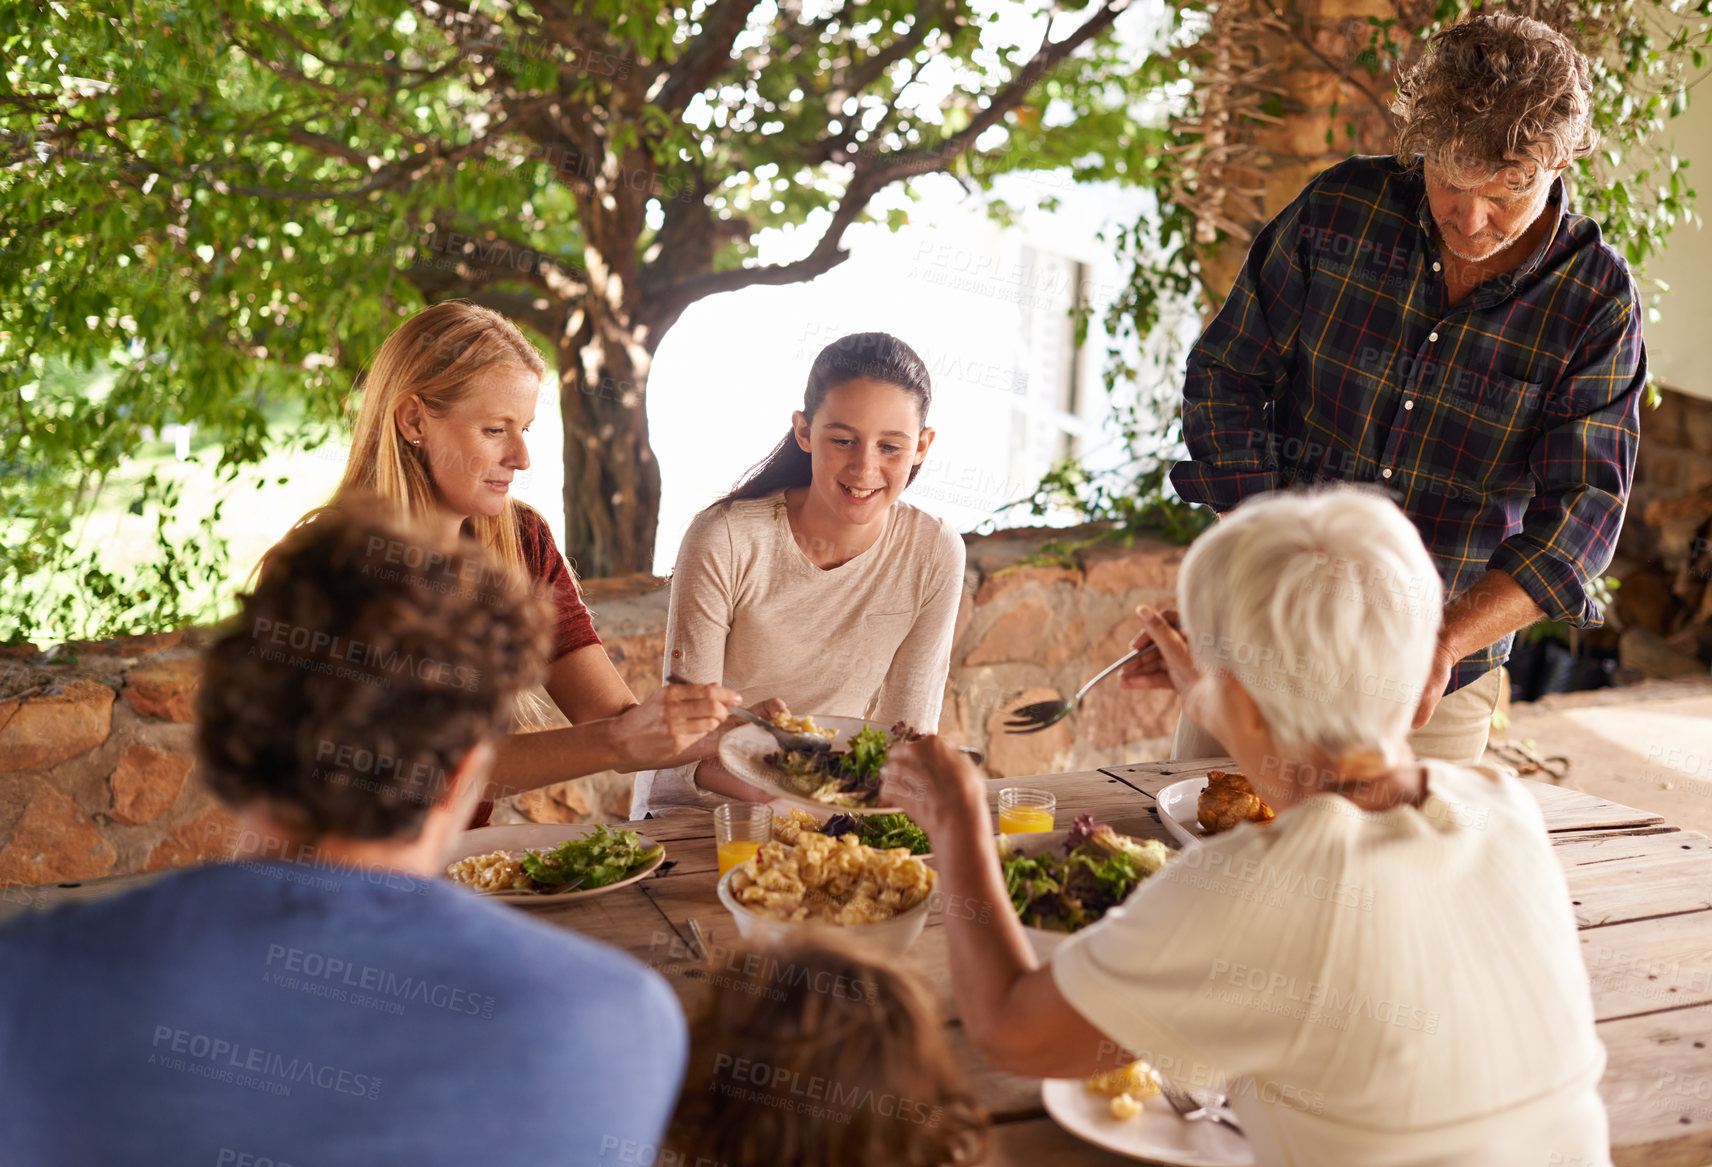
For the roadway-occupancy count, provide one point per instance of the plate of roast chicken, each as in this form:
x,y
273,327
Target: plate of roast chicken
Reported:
x,y
1198,808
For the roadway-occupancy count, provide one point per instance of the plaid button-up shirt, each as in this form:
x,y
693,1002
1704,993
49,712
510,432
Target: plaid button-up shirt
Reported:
x,y
1505,425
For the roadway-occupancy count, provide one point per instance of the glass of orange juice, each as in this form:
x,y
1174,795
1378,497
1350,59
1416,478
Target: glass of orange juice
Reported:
x,y
739,829
1023,810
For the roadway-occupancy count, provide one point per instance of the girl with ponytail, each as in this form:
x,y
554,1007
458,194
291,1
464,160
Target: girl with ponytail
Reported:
x,y
812,583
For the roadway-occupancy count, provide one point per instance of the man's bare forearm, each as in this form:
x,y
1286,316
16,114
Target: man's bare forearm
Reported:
x,y
1487,612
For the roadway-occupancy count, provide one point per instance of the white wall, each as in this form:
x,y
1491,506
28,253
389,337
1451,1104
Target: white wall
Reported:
x,y
1677,343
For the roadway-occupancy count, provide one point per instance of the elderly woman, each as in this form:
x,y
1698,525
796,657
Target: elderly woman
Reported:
x,y
1388,973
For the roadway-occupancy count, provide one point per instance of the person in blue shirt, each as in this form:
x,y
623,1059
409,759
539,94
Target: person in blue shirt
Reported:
x,y
324,998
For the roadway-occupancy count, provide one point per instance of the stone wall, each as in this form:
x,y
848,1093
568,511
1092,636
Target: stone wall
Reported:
x,y
95,761
97,775
1664,558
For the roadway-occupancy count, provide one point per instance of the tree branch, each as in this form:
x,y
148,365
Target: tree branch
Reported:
x,y
878,172
476,258
547,322
889,168
708,56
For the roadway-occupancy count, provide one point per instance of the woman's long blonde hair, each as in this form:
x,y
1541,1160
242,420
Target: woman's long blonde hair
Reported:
x,y
437,355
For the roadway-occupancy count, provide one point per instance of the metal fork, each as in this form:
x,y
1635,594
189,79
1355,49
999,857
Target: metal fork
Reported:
x,y
807,743
1036,717
1190,1110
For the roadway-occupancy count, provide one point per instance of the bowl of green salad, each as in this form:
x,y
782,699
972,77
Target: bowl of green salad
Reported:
x,y
1062,881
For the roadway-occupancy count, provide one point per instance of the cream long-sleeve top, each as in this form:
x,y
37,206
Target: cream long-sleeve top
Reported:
x,y
1393,989
869,638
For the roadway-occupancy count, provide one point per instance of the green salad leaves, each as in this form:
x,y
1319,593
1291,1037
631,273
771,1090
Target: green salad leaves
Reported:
x,y
1096,871
595,860
881,831
846,777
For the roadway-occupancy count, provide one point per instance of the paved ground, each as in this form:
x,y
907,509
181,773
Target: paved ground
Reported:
x,y
1647,746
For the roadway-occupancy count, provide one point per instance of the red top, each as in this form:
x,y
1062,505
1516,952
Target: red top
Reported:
x,y
573,627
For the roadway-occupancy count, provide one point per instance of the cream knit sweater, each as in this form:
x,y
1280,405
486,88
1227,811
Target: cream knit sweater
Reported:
x,y
869,638
1383,989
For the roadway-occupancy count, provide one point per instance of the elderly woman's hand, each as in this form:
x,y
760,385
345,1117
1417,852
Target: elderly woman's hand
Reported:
x,y
1172,666
936,783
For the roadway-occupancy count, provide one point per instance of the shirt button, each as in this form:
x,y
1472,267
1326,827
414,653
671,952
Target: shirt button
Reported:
x,y
1386,473
1435,267
1408,405
1432,336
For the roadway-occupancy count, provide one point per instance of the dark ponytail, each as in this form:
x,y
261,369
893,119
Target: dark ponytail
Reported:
x,y
877,356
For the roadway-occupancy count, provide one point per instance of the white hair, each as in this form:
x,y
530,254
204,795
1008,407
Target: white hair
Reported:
x,y
1325,605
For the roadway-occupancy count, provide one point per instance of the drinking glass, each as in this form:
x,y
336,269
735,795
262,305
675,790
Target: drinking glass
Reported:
x,y
1023,810
739,829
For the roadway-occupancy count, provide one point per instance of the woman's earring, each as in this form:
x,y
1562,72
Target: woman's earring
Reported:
x,y
416,441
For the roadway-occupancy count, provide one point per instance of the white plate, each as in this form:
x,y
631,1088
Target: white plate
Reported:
x,y
744,749
540,837
1177,809
1156,1134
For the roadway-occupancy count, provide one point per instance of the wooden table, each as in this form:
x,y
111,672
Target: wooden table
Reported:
x,y
1642,892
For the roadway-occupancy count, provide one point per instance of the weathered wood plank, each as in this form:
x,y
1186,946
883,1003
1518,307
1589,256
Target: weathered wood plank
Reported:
x,y
1648,965
1152,777
1616,878
1574,810
1564,809
1658,1088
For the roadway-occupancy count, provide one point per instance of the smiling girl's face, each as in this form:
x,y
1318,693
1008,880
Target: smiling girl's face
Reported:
x,y
864,439
476,447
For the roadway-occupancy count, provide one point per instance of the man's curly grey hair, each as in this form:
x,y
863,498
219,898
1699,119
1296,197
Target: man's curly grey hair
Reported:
x,y
1496,94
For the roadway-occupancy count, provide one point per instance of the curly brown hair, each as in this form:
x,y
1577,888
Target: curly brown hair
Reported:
x,y
366,664
814,1054
1494,93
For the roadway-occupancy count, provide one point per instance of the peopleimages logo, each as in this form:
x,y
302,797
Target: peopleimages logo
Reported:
x,y
223,1060
295,968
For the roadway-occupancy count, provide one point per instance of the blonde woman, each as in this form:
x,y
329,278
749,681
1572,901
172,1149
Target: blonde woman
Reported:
x,y
440,432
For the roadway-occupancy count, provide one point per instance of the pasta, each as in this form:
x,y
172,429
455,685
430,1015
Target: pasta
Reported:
x,y
831,880
495,871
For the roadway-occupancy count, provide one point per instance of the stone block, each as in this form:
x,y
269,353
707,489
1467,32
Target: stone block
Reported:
x,y
1111,715
165,688
1018,755
147,783
1011,578
1067,644
595,798
1697,425
208,838
639,583
1017,635
637,658
1659,465
1664,425
52,841
953,719
1120,570
48,727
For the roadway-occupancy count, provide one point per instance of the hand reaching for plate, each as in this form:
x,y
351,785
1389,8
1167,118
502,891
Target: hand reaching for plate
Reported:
x,y
674,724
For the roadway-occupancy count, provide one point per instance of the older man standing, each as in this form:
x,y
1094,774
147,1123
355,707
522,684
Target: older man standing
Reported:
x,y
1440,325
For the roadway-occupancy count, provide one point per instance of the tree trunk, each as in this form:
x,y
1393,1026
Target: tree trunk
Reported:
x,y
612,482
